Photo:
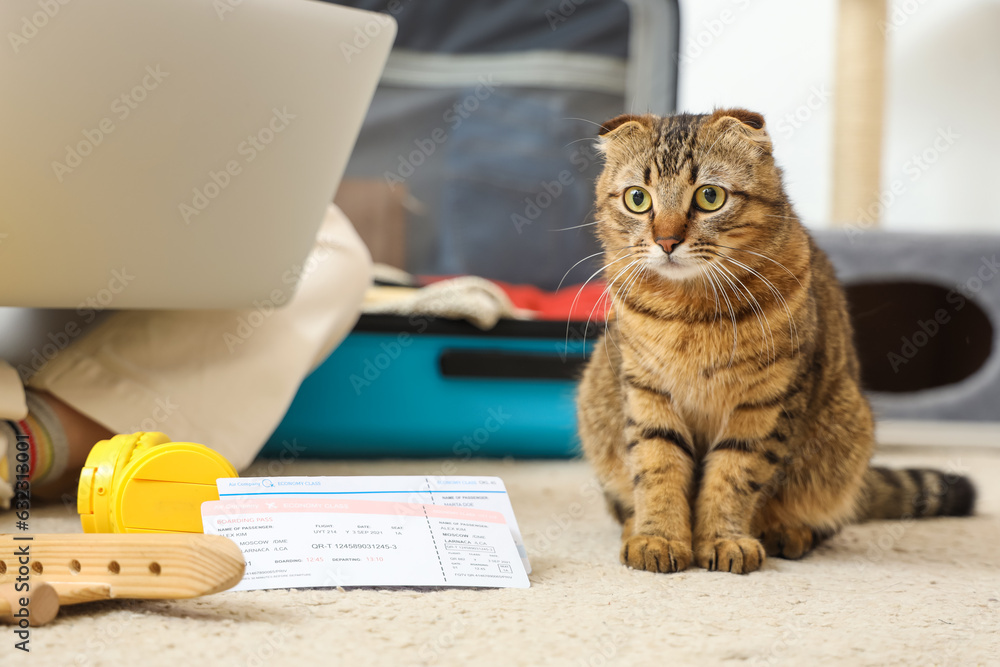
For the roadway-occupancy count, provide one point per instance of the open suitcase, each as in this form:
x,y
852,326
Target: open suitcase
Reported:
x,y
482,119
412,387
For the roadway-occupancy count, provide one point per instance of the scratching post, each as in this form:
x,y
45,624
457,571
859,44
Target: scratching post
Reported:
x,y
859,92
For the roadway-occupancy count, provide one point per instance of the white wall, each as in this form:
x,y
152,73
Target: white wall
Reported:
x,y
943,79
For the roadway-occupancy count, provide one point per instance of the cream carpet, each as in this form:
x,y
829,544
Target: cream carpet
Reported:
x,y
917,593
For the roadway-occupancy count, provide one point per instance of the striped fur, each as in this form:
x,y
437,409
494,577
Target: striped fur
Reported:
x,y
723,412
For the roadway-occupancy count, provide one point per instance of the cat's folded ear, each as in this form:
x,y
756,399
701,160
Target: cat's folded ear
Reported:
x,y
624,123
749,124
622,131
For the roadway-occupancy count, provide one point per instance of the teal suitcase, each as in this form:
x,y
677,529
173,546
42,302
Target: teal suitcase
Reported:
x,y
417,387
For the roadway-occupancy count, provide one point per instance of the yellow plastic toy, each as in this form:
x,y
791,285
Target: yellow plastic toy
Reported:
x,y
144,483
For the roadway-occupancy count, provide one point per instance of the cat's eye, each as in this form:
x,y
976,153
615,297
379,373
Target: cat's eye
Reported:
x,y
638,200
709,198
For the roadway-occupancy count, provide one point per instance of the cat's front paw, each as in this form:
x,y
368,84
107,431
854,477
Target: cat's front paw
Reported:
x,y
739,555
792,543
655,553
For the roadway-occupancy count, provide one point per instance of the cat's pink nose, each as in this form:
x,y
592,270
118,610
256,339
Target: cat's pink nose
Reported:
x,y
668,243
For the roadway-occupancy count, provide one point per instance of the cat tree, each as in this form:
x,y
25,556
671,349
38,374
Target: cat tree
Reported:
x,y
858,107
926,306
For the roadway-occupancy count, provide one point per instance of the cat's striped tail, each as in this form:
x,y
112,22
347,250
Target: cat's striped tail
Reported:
x,y
915,493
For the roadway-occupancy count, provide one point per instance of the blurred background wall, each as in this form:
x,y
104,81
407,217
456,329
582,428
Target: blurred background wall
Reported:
x,y
943,86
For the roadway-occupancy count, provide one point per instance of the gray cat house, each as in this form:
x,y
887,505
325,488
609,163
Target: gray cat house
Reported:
x,y
926,312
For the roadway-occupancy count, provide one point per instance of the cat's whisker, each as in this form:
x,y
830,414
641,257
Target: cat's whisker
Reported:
x,y
732,313
767,321
630,282
618,292
718,309
742,284
586,224
704,285
618,295
792,327
596,221
762,256
606,294
708,276
736,284
591,139
758,311
569,317
729,306
586,120
620,251
642,273
606,291
771,286
599,252
607,335
607,352
736,293
642,266
629,285
642,349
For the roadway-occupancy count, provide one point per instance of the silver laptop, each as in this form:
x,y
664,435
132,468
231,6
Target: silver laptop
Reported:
x,y
173,153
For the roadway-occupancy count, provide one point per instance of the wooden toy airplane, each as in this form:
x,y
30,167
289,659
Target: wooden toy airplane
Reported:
x,y
62,569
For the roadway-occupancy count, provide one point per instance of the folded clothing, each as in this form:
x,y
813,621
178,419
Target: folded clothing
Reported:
x,y
479,301
575,302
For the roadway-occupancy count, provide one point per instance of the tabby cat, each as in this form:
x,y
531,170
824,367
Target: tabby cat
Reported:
x,y
722,410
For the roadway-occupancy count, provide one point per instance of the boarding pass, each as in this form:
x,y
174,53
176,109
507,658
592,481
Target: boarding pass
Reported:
x,y
294,537
296,542
484,493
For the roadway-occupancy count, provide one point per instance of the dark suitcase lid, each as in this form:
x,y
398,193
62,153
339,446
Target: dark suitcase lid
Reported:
x,y
505,328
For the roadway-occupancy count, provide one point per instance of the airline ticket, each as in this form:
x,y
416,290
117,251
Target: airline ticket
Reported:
x,y
296,541
486,493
